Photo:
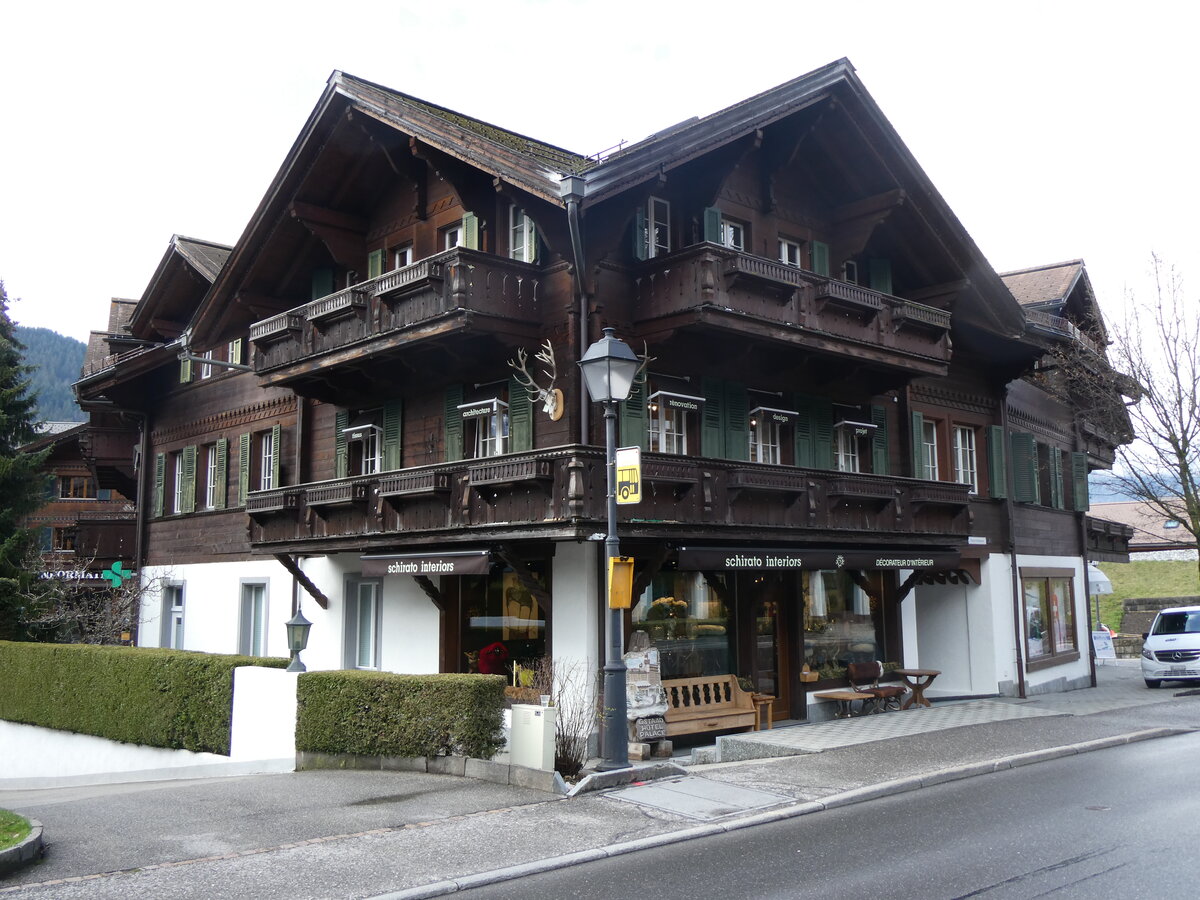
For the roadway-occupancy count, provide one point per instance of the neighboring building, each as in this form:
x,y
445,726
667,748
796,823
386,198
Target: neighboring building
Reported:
x,y
847,449
1155,536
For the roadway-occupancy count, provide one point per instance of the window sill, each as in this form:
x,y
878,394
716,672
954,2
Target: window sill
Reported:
x,y
1049,662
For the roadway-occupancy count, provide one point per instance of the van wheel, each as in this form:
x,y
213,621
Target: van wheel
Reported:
x,y
1153,682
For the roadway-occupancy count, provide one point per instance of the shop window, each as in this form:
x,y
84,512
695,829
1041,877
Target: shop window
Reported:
x,y
687,624
1049,616
171,634
362,623
77,487
252,626
789,253
843,623
501,622
966,466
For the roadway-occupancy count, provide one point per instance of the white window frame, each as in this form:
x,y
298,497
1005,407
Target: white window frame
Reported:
x,y
669,425
206,369
266,453
210,482
846,449
522,235
790,253
402,256
252,626
172,615
966,462
658,227
231,352
733,234
363,620
451,236
177,492
765,440
929,439
850,272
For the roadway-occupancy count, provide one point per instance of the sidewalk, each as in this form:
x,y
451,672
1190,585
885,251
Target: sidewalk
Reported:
x,y
403,835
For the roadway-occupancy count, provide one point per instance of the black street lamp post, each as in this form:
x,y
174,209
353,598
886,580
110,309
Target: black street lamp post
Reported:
x,y
609,367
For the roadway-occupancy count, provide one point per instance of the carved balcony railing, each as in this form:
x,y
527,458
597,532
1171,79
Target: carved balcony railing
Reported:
x,y
715,287
381,314
561,492
1061,327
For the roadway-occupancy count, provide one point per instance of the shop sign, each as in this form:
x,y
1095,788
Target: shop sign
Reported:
x,y
682,402
473,562
778,416
650,728
753,559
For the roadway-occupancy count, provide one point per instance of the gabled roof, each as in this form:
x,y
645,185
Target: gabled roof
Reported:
x,y
1044,285
1150,531
178,285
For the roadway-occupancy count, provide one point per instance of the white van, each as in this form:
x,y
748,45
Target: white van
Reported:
x,y
1171,648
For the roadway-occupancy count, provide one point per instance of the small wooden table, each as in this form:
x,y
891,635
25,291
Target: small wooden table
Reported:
x,y
845,702
762,710
918,680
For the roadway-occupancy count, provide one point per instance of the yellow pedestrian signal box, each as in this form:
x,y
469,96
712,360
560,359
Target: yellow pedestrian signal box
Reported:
x,y
620,582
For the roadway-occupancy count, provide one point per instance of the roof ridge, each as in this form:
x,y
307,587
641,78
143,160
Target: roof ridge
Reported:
x,y
1044,267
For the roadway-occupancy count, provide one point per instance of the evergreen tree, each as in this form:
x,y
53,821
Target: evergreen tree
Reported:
x,y
22,482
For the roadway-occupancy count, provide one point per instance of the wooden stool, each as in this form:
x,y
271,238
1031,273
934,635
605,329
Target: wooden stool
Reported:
x,y
762,707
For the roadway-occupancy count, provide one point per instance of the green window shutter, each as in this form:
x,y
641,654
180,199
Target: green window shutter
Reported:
x,y
879,442
341,458
822,433
392,448
243,468
997,462
276,442
1079,482
881,275
631,416
520,418
804,432
452,425
219,489
1057,500
185,371
374,264
188,461
160,477
236,351
712,434
919,461
820,258
470,231
712,225
737,422
641,235
1024,465
322,283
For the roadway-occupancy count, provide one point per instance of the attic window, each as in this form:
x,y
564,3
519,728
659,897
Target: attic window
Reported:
x,y
1172,523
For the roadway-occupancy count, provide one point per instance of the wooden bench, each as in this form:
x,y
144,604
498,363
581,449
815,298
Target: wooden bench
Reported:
x,y
710,703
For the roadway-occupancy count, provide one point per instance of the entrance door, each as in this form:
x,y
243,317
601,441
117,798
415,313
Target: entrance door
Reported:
x,y
772,597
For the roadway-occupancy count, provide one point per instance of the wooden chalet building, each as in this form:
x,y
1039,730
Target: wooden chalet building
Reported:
x,y
845,451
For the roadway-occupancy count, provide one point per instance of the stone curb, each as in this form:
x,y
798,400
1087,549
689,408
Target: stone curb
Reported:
x,y
25,852
461,766
803,808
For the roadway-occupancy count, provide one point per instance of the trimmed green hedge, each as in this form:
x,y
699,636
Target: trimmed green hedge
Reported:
x,y
160,698
381,714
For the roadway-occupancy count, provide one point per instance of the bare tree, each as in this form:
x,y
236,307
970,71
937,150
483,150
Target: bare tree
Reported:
x,y
1158,346
68,603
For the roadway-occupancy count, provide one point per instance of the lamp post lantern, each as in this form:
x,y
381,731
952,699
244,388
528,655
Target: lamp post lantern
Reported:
x,y
297,637
609,368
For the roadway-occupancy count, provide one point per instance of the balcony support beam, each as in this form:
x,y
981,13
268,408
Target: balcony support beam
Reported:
x,y
305,582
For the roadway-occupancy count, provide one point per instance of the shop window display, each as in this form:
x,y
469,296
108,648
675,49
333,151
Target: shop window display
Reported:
x,y
689,624
1049,617
842,623
502,623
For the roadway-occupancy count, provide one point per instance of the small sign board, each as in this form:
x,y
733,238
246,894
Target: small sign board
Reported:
x,y
629,475
650,728
1102,642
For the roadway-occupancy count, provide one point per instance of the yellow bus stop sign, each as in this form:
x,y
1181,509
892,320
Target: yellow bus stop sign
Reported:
x,y
629,475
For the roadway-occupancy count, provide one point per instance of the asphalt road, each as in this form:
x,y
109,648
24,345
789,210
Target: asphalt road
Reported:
x,y
1115,823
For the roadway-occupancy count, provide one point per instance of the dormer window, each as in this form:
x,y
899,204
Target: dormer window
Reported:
x,y
486,423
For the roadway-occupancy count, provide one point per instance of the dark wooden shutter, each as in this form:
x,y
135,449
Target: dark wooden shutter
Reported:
x,y
341,459
470,231
820,258
219,489
1079,481
392,448
712,225
803,432
632,416
1024,465
374,264
641,235
243,468
881,275
814,432
917,436
737,422
452,424
997,462
160,477
276,441
322,283
712,432
185,371
520,418
879,441
187,459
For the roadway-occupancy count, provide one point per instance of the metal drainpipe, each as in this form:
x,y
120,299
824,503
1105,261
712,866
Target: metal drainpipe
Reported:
x,y
140,510
1012,547
572,189
1081,516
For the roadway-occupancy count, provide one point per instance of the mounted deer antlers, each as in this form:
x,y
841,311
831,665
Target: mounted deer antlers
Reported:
x,y
550,396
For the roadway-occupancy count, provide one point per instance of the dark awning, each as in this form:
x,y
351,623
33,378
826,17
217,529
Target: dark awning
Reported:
x,y
463,562
753,559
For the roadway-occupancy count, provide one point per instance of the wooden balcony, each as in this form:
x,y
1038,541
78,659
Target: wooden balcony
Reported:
x,y
1040,321
707,287
559,493
1108,541
106,537
457,291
